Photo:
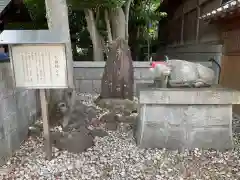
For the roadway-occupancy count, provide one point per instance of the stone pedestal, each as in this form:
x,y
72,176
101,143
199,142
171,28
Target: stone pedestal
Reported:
x,y
179,118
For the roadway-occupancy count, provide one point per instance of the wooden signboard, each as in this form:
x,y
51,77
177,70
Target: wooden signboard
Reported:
x,y
39,66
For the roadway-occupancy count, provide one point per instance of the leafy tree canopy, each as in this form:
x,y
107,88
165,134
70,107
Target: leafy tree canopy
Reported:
x,y
85,4
143,15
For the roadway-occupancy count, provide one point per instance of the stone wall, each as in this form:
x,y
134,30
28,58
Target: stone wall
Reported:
x,y
18,109
186,118
87,75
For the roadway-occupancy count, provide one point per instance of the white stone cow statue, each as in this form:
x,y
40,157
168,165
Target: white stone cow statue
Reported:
x,y
177,72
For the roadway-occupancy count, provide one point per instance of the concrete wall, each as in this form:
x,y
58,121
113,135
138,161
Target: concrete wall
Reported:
x,y
88,75
18,108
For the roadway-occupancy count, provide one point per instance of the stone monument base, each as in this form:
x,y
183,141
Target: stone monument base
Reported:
x,y
185,118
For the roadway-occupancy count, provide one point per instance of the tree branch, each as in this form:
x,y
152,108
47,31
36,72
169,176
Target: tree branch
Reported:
x,y
97,14
108,25
127,9
118,23
89,15
94,34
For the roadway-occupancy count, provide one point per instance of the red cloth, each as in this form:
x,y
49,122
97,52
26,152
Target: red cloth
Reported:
x,y
157,62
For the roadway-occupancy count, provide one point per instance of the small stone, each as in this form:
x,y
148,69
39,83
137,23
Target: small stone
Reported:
x,y
91,113
81,115
34,131
95,122
98,133
75,142
109,117
127,119
124,106
111,126
70,167
5,171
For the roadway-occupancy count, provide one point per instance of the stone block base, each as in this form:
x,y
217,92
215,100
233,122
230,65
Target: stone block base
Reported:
x,y
175,119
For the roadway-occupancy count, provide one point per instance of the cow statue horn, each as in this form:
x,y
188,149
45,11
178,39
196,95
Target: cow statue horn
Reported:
x,y
166,58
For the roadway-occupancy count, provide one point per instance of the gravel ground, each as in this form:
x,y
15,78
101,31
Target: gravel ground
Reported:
x,y
116,157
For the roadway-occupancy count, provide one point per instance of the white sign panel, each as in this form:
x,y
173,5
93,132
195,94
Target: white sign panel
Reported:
x,y
40,66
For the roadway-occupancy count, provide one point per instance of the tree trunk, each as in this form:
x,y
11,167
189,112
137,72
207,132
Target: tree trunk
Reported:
x,y
117,80
109,31
127,8
98,47
118,23
59,23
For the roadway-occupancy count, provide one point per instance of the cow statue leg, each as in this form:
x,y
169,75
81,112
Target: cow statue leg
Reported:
x,y
161,82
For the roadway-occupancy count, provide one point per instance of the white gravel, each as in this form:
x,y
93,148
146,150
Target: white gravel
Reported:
x,y
116,157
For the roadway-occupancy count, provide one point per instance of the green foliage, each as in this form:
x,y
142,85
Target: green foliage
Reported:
x,y
145,12
142,13
76,20
86,4
36,9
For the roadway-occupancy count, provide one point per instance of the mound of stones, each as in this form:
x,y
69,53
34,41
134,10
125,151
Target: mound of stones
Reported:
x,y
85,122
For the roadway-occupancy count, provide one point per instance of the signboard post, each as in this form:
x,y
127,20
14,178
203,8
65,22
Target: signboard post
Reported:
x,y
38,60
46,129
